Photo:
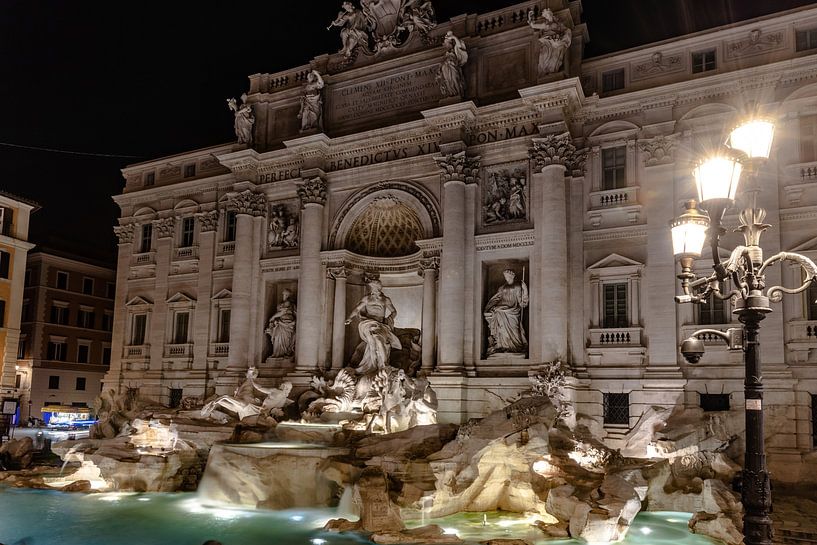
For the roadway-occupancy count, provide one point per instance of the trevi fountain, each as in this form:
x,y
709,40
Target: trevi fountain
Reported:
x,y
412,305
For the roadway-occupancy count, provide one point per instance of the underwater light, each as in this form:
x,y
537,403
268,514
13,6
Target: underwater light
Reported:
x,y
318,541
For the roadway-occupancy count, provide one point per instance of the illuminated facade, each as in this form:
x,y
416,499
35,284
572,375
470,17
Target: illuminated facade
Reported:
x,y
567,177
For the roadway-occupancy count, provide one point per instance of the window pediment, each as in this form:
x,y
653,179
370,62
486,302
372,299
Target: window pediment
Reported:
x,y
223,294
181,299
138,301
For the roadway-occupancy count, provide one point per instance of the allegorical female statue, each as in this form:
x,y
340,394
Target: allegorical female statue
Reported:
x,y
449,74
244,119
377,314
555,39
504,316
281,327
311,114
353,26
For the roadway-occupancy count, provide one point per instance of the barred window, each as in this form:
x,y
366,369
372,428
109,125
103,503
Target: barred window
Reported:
x,y
612,80
703,61
616,408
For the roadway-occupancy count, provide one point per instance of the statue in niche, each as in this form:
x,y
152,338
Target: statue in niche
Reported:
x,y
244,119
281,327
311,114
554,39
417,14
283,228
504,316
449,74
245,401
353,28
505,198
377,314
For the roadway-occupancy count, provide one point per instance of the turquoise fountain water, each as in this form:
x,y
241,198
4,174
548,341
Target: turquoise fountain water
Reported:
x,y
37,517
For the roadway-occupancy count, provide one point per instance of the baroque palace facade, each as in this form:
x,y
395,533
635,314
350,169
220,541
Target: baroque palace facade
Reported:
x,y
437,157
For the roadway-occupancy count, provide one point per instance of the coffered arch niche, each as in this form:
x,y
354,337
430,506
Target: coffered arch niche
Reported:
x,y
385,219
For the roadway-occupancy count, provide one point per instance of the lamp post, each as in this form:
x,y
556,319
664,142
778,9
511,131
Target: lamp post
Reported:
x,y
717,178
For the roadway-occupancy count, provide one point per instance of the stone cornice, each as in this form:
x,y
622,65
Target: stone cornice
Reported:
x,y
280,264
505,239
615,233
802,213
351,261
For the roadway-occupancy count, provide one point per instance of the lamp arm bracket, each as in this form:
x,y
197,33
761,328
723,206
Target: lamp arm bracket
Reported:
x,y
733,337
730,295
775,293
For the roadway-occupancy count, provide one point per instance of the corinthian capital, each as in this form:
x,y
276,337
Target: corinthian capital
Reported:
x,y
557,149
248,202
124,232
459,167
208,221
164,227
312,191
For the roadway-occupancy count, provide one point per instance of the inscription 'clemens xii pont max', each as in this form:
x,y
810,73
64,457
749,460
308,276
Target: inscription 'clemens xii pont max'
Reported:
x,y
388,95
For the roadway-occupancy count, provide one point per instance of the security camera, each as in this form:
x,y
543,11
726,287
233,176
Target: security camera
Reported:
x,y
692,349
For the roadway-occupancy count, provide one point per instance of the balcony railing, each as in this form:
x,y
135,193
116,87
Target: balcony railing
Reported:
x,y
226,248
144,258
610,198
136,351
186,253
219,349
180,350
620,336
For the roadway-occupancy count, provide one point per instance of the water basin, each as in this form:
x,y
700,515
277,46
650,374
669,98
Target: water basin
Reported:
x,y
39,517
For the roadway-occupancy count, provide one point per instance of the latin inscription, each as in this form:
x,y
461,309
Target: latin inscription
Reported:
x,y
396,93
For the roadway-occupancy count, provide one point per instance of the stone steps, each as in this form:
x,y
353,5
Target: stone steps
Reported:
x,y
794,535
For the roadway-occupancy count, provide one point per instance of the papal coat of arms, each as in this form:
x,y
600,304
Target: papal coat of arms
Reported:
x,y
381,25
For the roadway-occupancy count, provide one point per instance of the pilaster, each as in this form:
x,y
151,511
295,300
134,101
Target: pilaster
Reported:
x,y
124,234
339,316
428,270
208,224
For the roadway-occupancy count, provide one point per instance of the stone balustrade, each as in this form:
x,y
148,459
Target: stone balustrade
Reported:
x,y
186,253
608,198
621,336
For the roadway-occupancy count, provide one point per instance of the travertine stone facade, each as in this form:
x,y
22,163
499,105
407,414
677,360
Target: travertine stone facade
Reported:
x,y
568,179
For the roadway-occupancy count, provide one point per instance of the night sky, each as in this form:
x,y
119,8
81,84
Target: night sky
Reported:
x,y
140,80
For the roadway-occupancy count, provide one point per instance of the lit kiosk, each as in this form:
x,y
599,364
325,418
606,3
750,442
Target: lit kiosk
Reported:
x,y
717,178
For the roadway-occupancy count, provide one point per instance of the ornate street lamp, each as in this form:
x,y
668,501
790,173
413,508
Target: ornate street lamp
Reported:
x,y
717,179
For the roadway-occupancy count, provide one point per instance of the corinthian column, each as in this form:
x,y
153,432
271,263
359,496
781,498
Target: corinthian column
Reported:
x,y
457,170
553,156
339,317
428,270
308,333
246,205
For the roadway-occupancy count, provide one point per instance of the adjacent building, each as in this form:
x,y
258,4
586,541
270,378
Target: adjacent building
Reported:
x,y
65,345
400,159
14,246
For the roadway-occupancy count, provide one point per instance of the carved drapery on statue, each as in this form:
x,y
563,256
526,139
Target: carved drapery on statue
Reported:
x,y
376,314
382,25
281,327
311,114
558,149
246,402
504,316
284,230
554,41
312,191
244,119
449,74
248,202
505,196
124,233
